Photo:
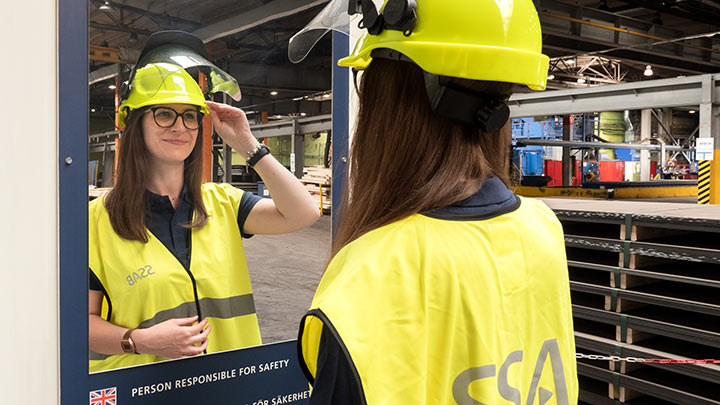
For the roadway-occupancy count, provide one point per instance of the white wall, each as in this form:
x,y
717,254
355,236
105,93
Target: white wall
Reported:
x,y
28,234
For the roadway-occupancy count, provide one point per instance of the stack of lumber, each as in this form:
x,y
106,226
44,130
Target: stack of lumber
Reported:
x,y
317,175
318,178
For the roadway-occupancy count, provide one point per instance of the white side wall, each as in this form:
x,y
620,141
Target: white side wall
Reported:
x,y
28,180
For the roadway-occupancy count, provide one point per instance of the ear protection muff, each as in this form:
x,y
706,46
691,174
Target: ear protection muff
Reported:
x,y
487,112
398,15
124,90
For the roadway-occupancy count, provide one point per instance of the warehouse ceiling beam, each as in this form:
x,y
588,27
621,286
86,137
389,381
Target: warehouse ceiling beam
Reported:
x,y
664,128
288,77
598,145
260,15
104,73
271,11
658,39
172,20
679,92
121,28
580,30
593,14
673,8
558,41
310,125
287,107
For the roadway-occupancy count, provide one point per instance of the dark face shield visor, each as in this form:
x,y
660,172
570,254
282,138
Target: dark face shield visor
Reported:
x,y
193,63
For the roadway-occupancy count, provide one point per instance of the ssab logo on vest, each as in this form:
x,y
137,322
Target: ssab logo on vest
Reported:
x,y
139,274
550,348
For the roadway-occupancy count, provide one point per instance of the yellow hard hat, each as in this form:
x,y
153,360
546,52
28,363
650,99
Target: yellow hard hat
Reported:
x,y
496,40
162,74
162,83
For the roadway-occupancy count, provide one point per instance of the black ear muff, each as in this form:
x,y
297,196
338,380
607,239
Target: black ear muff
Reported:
x,y
400,15
487,112
492,116
371,20
124,90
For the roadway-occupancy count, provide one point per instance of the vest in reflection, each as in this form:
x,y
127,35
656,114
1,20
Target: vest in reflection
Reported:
x,y
146,285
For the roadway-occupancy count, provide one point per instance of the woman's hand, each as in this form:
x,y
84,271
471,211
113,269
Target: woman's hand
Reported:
x,y
232,126
173,338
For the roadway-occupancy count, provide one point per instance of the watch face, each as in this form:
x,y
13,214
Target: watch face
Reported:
x,y
126,346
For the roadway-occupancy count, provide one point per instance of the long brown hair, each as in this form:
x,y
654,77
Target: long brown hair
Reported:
x,y
405,159
126,202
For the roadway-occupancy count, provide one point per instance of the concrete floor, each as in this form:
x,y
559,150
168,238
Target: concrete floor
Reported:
x,y
285,270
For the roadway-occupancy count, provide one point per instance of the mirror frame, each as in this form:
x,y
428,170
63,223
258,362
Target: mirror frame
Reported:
x,y
75,380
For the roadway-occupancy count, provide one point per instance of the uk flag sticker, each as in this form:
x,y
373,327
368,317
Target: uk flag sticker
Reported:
x,y
106,396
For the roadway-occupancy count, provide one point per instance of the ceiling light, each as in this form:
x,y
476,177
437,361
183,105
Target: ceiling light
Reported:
x,y
692,111
277,116
273,93
133,37
580,80
326,95
550,77
106,6
93,110
111,87
648,71
303,114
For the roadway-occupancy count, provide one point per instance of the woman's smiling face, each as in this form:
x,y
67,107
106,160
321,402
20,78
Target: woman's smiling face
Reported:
x,y
175,143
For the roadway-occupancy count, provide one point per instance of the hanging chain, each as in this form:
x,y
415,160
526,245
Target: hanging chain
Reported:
x,y
643,360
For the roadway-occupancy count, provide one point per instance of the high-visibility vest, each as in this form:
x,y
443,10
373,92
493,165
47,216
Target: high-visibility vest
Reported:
x,y
434,311
146,284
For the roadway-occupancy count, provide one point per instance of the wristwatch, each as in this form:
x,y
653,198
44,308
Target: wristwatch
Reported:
x,y
257,154
127,343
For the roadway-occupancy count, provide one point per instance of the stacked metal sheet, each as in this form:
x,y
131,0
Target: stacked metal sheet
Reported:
x,y
645,282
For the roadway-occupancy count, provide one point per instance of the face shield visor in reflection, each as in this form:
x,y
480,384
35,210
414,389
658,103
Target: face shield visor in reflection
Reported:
x,y
193,63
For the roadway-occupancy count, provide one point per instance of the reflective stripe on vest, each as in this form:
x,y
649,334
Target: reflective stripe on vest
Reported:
x,y
434,311
147,285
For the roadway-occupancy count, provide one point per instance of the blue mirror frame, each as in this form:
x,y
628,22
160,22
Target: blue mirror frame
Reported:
x,y
72,192
75,381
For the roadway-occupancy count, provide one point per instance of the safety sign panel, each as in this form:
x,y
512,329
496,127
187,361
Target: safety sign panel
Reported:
x,y
263,375
704,148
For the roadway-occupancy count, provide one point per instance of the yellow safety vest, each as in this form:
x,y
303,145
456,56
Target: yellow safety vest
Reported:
x,y
146,284
434,311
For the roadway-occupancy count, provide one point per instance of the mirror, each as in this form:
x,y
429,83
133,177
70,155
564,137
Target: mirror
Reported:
x,y
288,108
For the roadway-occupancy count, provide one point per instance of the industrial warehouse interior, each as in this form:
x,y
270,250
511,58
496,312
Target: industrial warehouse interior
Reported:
x,y
619,145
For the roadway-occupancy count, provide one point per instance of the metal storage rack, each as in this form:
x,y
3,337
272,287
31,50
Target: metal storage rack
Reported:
x,y
645,283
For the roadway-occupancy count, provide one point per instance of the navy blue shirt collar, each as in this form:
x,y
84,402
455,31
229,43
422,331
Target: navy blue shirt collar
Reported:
x,y
157,200
492,199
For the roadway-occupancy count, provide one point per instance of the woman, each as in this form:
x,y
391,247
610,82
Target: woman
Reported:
x,y
444,287
168,276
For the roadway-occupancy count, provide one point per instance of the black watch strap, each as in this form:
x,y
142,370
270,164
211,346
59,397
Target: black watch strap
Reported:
x,y
261,151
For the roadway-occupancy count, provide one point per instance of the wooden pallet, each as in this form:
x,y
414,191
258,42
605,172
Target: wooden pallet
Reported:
x,y
665,252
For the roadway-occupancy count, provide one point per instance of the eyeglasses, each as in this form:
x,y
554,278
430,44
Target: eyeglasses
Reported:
x,y
165,117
